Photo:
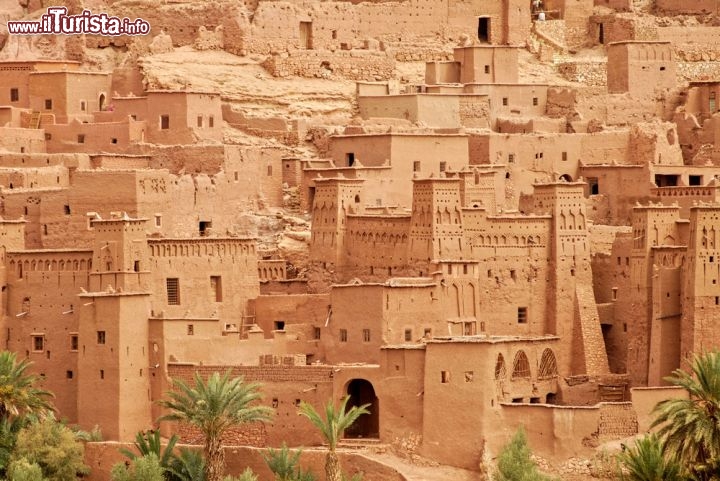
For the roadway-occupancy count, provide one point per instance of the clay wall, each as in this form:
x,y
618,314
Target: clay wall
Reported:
x,y
94,137
216,277
644,400
299,313
487,65
678,7
282,387
623,185
455,376
632,66
192,116
73,94
376,242
102,456
43,285
365,65
22,140
16,75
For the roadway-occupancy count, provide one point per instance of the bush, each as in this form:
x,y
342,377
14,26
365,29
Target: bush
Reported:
x,y
142,468
246,475
52,446
22,470
514,463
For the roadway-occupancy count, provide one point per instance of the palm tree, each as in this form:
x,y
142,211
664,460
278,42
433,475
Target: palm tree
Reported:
x,y
149,442
213,407
646,462
331,428
690,428
18,395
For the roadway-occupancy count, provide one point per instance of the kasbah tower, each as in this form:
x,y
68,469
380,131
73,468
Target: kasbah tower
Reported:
x,y
472,215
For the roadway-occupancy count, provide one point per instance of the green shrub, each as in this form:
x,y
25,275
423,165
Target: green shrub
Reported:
x,y
514,463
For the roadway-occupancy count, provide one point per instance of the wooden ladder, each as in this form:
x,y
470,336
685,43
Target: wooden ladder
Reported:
x,y
35,120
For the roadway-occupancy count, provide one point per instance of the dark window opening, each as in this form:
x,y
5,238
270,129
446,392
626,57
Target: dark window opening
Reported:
x,y
74,342
190,330
66,209
101,337
113,140
306,37
366,335
199,121
38,343
136,266
316,333
416,166
81,138
601,34
164,122
522,315
484,29
666,180
69,374
204,226
444,377
48,104
343,335
535,101
442,166
279,325
350,159
211,121
102,373
216,287
593,185
505,101
14,95
408,335
173,291
695,180
487,68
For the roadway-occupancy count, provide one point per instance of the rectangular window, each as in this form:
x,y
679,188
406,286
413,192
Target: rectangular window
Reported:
x,y
416,166
427,333
444,377
349,159
173,291
158,220
101,337
211,121
74,342
216,287
442,166
487,68
199,121
66,209
83,107
564,156
279,325
14,95
505,101
366,335
69,374
522,315
469,376
190,330
164,122
535,101
469,328
102,373
48,104
269,170
343,335
38,343
316,333
408,335
81,138
511,158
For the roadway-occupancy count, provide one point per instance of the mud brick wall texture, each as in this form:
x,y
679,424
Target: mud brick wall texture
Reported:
x,y
352,65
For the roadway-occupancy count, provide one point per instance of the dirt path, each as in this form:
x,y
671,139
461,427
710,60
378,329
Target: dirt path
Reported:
x,y
413,472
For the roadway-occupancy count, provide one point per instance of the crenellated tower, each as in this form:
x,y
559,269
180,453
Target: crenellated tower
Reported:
x,y
572,312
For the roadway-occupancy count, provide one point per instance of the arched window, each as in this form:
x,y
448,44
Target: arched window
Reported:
x,y
521,366
548,365
500,371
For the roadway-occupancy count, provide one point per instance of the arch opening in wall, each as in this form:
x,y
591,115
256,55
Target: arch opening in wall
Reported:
x,y
521,366
566,178
548,365
500,370
362,392
101,102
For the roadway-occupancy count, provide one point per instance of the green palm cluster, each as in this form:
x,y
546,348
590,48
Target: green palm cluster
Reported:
x,y
687,443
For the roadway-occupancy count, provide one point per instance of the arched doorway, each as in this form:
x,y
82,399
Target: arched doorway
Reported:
x,y
368,425
101,102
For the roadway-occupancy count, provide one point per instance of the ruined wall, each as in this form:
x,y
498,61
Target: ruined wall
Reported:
x,y
22,140
351,65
